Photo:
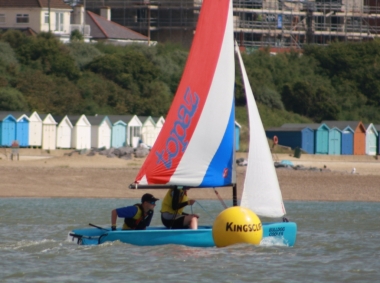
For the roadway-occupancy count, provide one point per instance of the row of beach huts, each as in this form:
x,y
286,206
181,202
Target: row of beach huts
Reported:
x,y
329,137
77,131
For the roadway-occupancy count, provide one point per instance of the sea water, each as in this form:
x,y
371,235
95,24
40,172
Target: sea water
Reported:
x,y
336,242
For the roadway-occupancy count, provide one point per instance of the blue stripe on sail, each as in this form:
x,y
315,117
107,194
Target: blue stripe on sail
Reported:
x,y
223,158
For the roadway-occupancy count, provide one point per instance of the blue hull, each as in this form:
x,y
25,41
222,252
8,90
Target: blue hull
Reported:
x,y
153,236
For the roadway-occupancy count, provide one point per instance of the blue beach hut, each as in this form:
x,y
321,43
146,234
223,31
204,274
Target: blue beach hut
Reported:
x,y
321,136
22,130
322,139
335,141
118,132
22,126
371,139
347,141
297,136
353,136
7,129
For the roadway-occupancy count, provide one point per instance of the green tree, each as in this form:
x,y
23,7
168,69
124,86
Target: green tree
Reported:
x,y
48,54
83,53
76,35
49,94
130,70
12,100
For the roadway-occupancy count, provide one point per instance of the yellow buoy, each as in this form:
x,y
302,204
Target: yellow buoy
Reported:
x,y
237,225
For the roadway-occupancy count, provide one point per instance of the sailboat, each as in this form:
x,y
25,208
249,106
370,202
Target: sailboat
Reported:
x,y
195,147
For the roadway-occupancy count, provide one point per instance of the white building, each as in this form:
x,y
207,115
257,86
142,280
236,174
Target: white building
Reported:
x,y
49,131
101,128
133,130
35,15
148,130
35,130
81,133
64,130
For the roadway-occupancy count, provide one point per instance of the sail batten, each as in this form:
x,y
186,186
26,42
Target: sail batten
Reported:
x,y
190,149
261,191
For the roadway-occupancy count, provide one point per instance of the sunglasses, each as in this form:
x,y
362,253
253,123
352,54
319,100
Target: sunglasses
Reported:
x,y
152,202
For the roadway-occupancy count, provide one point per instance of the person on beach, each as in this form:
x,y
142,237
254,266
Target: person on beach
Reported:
x,y
171,211
136,217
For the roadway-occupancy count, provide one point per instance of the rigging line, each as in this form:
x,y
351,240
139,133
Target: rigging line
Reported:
x,y
221,200
208,213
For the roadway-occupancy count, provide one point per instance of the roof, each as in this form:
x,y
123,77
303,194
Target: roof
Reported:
x,y
35,3
342,124
156,119
15,114
145,119
287,129
116,118
5,115
96,120
74,118
301,125
101,28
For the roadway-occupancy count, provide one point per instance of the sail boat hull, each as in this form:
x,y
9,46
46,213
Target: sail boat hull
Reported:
x,y
281,233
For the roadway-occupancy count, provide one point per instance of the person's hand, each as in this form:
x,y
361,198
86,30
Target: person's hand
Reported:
x,y
191,201
113,227
195,215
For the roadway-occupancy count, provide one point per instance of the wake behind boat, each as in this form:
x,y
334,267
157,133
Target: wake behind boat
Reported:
x,y
195,148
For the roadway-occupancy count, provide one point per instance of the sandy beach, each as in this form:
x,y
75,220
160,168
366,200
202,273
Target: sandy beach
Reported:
x,y
38,173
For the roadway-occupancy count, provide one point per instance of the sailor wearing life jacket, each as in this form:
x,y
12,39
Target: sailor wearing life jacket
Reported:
x,y
172,215
136,217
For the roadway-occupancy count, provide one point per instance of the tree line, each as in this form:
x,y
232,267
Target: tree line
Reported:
x,y
39,73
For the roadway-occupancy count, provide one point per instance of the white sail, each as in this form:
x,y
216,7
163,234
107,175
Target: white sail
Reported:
x,y
261,191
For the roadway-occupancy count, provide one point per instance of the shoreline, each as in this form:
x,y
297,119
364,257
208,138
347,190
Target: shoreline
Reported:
x,y
81,176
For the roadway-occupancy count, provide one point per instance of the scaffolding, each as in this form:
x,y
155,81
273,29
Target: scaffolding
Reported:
x,y
287,23
257,23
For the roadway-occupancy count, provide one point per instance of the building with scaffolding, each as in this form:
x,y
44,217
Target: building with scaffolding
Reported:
x,y
257,23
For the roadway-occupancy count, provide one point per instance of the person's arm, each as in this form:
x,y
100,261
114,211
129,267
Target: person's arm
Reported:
x,y
175,200
127,212
113,219
124,212
149,217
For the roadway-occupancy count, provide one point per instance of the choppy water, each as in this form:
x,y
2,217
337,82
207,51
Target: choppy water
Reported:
x,y
337,242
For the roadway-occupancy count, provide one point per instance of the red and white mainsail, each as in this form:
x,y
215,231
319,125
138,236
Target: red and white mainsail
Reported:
x,y
195,146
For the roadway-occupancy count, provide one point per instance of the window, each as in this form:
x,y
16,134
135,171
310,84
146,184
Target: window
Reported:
x,y
22,18
46,18
59,21
2,18
135,131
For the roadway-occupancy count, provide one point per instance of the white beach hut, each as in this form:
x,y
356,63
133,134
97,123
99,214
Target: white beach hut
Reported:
x,y
159,121
35,130
49,131
81,133
371,139
148,130
64,130
101,128
133,130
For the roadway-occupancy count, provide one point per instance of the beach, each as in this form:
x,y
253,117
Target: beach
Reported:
x,y
55,174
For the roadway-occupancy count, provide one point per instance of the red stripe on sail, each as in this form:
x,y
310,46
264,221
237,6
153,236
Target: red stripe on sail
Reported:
x,y
191,94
